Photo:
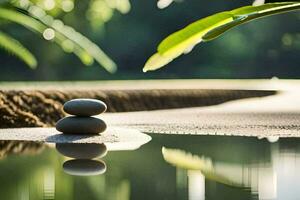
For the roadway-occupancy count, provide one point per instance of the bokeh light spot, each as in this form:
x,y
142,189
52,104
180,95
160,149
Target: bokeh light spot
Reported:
x,y
67,5
49,4
287,39
49,34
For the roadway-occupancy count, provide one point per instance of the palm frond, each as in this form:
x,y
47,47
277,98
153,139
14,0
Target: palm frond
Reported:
x,y
13,46
39,22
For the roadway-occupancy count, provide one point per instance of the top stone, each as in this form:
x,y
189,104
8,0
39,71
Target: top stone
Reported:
x,y
84,107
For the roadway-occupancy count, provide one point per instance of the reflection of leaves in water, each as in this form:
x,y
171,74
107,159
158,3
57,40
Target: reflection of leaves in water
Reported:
x,y
185,160
19,147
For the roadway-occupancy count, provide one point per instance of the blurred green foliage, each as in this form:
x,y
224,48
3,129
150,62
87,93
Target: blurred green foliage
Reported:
x,y
262,49
37,16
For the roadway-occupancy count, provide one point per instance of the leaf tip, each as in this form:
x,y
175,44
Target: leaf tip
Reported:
x,y
113,69
33,63
155,62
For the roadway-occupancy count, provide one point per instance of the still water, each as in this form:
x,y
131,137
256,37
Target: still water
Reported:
x,y
167,167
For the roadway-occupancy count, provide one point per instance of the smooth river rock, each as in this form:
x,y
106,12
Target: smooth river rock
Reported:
x,y
82,151
83,167
81,125
84,107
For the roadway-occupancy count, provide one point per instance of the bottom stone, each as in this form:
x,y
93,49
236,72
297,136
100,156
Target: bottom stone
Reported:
x,y
81,125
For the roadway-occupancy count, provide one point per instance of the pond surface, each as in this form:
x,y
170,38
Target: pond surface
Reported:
x,y
167,167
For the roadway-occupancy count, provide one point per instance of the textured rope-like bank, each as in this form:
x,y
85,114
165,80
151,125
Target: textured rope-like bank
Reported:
x,y
43,108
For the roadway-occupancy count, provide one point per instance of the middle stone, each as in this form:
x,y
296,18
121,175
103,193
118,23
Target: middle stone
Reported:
x,y
81,125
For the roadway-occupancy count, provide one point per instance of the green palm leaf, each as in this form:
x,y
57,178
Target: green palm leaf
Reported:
x,y
86,50
209,28
13,46
243,16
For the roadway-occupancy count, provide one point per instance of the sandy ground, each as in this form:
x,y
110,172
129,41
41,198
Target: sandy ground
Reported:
x,y
272,117
229,84
113,137
277,115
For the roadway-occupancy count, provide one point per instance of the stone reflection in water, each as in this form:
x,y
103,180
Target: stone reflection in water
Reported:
x,y
276,178
84,167
84,163
82,151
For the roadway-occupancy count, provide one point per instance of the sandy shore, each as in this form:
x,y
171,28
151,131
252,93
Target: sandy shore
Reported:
x,y
40,104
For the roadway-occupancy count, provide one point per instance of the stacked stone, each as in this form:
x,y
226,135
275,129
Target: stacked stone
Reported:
x,y
81,121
